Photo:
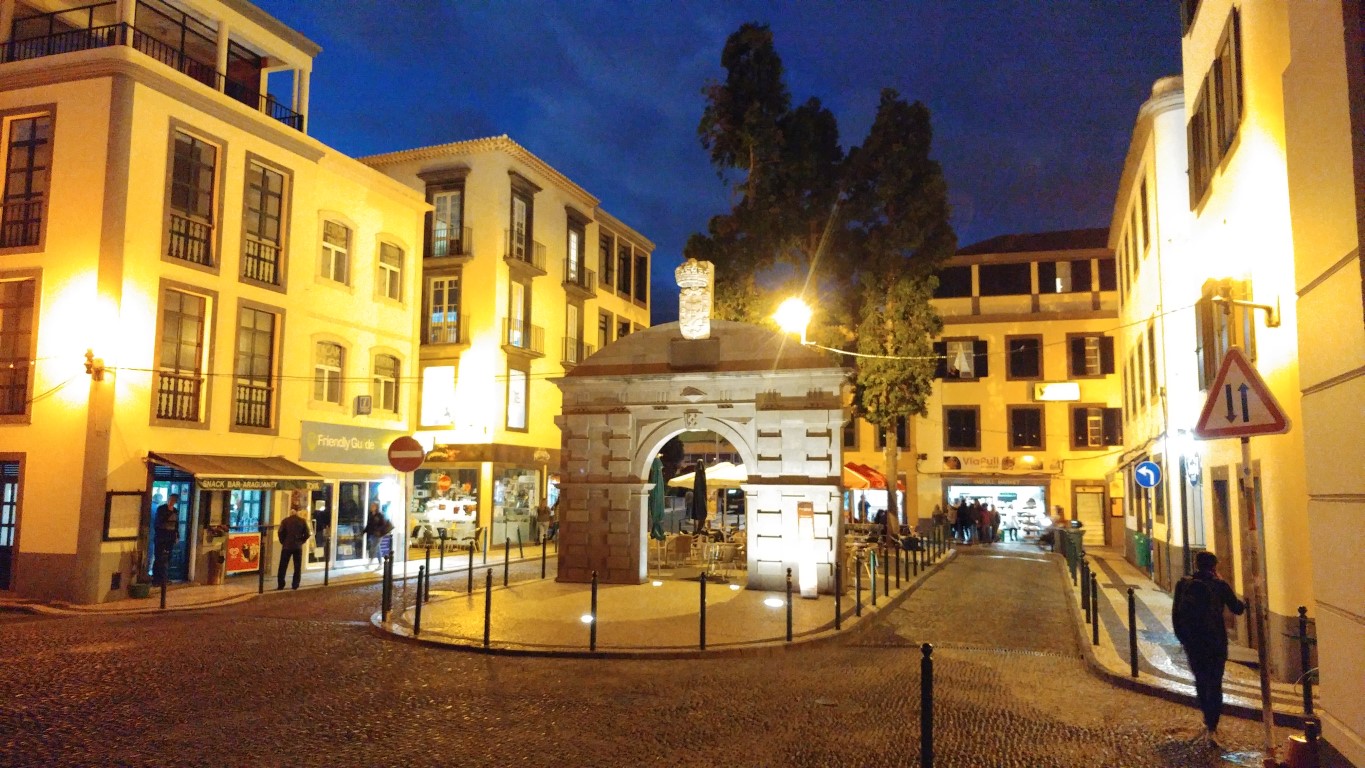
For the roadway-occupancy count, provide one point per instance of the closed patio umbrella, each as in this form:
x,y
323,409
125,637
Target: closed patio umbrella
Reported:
x,y
698,510
656,500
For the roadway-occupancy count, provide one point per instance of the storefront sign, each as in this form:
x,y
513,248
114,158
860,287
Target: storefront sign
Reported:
x,y
344,444
243,552
256,484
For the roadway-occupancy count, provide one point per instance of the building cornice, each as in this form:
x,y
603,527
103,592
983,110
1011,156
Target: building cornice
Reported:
x,y
274,26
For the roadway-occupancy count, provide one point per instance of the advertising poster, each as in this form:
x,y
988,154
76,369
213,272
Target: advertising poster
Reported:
x,y
243,552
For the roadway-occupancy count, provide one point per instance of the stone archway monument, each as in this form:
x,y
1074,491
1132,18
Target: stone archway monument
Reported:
x,y
778,403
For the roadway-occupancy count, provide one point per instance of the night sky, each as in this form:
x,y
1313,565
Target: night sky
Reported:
x,y
1033,101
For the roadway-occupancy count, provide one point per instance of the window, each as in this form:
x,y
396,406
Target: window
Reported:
x,y
262,216
17,321
1005,279
1108,275
1090,355
623,262
850,434
961,359
516,398
1024,357
1026,427
1140,367
573,334
622,328
901,441
28,165
1064,276
1217,111
443,310
327,370
385,391
181,356
573,261
1095,426
1146,219
193,172
603,329
447,223
1127,388
438,396
642,278
254,401
1151,360
960,430
954,283
334,263
607,261
1220,326
390,278
518,314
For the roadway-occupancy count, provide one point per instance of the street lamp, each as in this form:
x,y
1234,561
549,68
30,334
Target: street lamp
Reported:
x,y
793,316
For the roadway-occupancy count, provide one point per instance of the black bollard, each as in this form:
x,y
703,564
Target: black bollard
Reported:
x,y
443,550
789,605
872,575
470,571
260,563
417,612
915,555
926,707
425,593
592,625
543,546
838,598
858,583
485,546
506,559
1094,610
1304,643
384,589
1132,634
326,562
487,607
1085,589
899,555
701,578
1070,561
521,553
886,572
165,577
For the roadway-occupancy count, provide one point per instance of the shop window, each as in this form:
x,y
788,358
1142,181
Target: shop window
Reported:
x,y
961,430
1005,279
961,359
28,167
1026,427
954,283
1090,355
1096,426
516,494
1024,357
18,326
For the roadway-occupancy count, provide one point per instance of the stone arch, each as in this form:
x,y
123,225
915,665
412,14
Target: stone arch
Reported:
x,y
649,444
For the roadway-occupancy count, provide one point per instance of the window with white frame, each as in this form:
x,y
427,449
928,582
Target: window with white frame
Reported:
x,y
390,278
327,372
385,391
334,262
443,309
1090,354
447,223
516,398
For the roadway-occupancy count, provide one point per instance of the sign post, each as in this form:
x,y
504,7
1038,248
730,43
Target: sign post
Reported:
x,y
406,455
1240,405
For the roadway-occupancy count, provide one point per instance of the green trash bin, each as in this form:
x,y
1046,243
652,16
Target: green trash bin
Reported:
x,y
1142,543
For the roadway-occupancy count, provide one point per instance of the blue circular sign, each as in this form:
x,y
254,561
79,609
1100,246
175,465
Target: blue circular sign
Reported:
x,y
1147,474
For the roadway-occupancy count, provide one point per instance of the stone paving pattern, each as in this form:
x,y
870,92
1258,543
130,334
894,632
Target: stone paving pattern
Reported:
x,y
302,679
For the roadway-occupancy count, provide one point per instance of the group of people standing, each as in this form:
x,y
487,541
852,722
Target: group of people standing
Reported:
x,y
971,520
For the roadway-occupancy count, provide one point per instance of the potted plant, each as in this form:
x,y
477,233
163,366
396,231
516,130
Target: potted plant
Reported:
x,y
139,585
216,545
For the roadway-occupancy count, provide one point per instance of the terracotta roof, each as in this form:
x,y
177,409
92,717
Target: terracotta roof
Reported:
x,y
1062,240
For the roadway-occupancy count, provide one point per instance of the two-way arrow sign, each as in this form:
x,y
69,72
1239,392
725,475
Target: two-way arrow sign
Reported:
x,y
1239,403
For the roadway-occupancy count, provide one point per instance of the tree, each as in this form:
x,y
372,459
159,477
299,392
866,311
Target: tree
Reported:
x,y
898,210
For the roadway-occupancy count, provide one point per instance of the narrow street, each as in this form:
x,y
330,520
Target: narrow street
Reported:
x,y
300,679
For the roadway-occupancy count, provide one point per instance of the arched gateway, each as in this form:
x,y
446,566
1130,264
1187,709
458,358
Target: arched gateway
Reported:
x,y
779,404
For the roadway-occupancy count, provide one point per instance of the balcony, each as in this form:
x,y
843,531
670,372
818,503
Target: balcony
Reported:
x,y
575,352
253,405
452,244
21,224
520,336
14,387
261,261
524,253
579,280
445,328
190,241
177,396
93,37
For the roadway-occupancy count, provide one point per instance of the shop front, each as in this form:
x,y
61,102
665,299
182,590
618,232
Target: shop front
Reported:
x,y
356,479
488,495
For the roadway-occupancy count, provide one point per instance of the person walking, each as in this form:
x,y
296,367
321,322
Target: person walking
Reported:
x,y
376,526
987,524
293,534
953,520
165,534
1197,617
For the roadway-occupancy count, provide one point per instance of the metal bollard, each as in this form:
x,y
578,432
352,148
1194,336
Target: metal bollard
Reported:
x,y
1085,589
543,546
521,553
789,605
702,612
443,550
899,552
165,578
417,614
858,583
424,593
1304,659
506,559
592,625
260,570
838,598
886,572
326,563
1132,634
914,557
485,547
385,593
926,707
487,607
1094,610
470,571
872,574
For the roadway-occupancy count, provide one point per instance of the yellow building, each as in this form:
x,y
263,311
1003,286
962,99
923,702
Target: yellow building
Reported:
x,y
248,297
523,277
1025,413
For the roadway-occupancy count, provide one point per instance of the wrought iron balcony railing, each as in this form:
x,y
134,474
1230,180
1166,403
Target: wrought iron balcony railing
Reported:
x,y
21,223
525,250
519,334
452,242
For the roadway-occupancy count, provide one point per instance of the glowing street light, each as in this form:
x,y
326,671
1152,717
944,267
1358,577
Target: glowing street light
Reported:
x,y
793,316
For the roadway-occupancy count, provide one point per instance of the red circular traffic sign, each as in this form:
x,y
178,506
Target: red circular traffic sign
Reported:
x,y
443,483
406,454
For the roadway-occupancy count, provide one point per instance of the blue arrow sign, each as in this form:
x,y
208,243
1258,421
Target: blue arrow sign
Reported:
x,y
1147,474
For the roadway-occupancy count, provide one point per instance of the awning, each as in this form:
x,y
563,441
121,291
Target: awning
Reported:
x,y
862,477
253,473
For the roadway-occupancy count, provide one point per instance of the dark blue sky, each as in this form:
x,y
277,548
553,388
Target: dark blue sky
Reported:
x,y
1033,101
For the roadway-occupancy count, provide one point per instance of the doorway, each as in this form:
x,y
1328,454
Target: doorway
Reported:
x,y
9,520
320,509
1088,501
179,567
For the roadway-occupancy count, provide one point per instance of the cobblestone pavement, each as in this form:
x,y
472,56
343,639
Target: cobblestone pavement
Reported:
x,y
300,679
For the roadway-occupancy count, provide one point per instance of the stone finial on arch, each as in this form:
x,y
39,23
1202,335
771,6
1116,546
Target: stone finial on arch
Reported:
x,y
652,440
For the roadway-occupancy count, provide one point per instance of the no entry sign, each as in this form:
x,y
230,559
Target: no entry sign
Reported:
x,y
406,454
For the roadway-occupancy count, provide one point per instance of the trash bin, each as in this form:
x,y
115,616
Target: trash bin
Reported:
x,y
1142,544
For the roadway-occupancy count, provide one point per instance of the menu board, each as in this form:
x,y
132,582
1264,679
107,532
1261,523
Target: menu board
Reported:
x,y
243,552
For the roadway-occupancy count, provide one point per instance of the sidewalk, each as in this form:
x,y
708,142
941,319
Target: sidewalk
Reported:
x,y
1162,668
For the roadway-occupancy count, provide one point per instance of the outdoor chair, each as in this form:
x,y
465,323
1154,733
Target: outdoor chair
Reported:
x,y
678,550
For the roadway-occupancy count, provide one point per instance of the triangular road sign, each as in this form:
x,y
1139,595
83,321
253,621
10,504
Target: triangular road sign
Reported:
x,y
1239,403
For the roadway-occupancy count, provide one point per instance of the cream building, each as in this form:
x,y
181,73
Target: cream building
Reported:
x,y
195,297
524,276
1025,413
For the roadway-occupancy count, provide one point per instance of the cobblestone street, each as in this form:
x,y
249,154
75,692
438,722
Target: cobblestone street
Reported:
x,y
301,679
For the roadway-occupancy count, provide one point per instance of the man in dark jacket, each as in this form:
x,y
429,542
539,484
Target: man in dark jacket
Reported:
x,y
1197,616
293,534
165,533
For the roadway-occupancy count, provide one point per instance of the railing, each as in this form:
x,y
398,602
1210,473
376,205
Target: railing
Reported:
x,y
177,396
580,277
261,261
451,245
14,387
190,240
520,334
575,351
22,224
524,250
446,331
253,404
122,34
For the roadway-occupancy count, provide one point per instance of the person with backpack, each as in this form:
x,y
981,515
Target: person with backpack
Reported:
x,y
1197,615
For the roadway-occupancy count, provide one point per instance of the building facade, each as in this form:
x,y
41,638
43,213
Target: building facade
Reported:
x,y
524,276
196,298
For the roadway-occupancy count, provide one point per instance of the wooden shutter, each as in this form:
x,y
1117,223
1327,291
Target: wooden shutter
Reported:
x,y
1113,426
1106,354
1077,361
941,362
1079,428
979,358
